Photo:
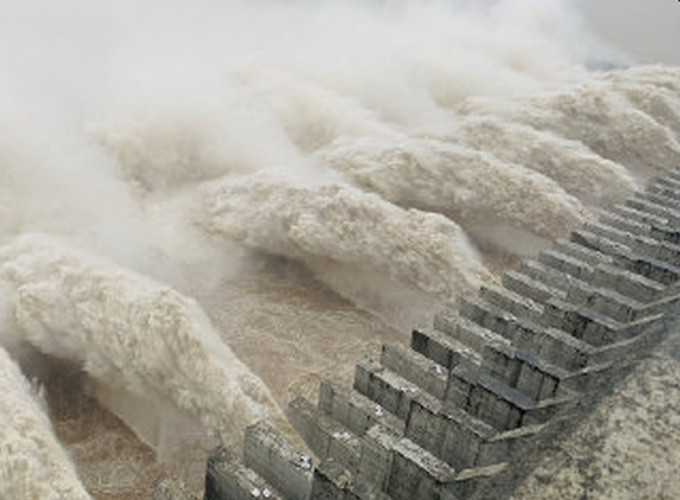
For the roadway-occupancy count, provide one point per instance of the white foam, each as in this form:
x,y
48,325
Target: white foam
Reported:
x,y
603,120
580,172
471,187
131,333
666,77
32,462
658,101
342,224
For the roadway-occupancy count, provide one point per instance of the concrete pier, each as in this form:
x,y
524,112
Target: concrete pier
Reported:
x,y
451,415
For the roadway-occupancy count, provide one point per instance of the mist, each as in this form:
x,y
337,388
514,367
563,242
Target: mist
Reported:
x,y
645,32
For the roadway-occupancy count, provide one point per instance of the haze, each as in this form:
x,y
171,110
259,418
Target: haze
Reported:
x,y
648,31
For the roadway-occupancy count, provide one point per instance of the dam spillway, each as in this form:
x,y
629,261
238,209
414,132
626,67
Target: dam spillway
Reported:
x,y
467,409
204,216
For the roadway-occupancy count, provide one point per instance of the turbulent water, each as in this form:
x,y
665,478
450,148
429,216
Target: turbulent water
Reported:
x,y
630,131
485,195
184,187
32,462
336,223
130,333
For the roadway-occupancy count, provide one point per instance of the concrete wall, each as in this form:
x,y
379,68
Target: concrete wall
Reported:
x,y
468,410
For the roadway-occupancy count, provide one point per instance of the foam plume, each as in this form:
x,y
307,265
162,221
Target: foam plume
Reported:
x,y
603,120
659,102
341,224
488,197
580,172
132,332
32,462
666,77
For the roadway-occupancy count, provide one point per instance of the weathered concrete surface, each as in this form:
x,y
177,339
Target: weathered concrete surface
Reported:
x,y
272,456
628,448
228,478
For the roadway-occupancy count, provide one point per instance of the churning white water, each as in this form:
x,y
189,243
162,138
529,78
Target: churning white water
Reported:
x,y
485,195
185,185
130,333
343,225
32,462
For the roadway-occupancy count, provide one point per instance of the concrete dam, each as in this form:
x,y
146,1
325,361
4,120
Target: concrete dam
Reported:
x,y
476,402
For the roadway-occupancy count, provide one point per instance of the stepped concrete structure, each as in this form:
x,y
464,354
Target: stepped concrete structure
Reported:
x,y
471,408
